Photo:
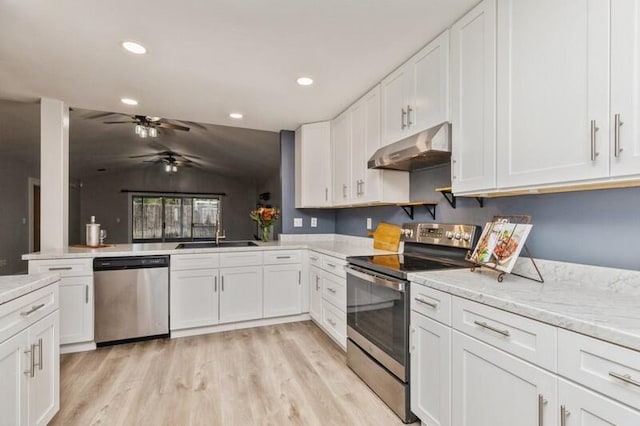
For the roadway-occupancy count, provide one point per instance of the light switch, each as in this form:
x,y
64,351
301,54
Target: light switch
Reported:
x,y
297,222
314,222
369,223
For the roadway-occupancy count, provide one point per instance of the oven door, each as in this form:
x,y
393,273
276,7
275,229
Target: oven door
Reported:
x,y
378,317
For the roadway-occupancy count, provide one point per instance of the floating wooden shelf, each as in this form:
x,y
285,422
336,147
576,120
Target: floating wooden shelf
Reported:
x,y
430,205
451,198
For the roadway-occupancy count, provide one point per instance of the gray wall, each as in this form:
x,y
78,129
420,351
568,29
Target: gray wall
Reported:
x,y
326,218
592,227
101,196
14,212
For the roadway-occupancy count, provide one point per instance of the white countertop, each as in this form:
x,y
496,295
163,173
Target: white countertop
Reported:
x,y
340,246
598,302
14,286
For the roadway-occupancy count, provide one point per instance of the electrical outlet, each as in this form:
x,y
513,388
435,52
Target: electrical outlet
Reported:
x,y
369,223
297,222
314,222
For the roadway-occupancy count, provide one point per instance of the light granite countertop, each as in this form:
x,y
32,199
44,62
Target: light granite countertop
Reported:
x,y
14,286
340,246
599,302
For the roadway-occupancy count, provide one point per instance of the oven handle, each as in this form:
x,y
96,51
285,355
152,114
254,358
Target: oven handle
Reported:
x,y
375,279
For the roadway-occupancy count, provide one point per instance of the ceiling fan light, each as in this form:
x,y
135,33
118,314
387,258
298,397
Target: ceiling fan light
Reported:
x,y
153,132
174,168
138,129
144,132
167,168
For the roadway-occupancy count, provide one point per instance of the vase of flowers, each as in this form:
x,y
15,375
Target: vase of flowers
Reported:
x,y
265,217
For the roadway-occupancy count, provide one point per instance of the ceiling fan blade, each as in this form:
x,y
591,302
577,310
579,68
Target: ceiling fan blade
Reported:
x,y
193,124
118,122
101,115
145,155
172,126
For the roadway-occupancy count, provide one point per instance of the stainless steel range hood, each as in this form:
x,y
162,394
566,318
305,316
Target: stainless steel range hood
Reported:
x,y
425,149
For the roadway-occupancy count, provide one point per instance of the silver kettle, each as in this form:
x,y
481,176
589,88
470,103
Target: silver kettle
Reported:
x,y
93,233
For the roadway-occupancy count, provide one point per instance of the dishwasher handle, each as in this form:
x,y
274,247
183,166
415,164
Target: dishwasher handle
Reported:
x,y
130,262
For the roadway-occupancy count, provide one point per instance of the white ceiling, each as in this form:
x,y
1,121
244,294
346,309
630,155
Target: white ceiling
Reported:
x,y
209,58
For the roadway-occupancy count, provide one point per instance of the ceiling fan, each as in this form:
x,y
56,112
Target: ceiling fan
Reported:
x,y
170,159
147,126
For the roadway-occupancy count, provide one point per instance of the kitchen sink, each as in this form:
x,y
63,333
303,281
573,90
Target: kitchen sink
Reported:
x,y
211,244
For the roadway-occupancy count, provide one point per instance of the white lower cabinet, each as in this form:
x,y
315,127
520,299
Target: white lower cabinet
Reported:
x,y
315,294
282,290
493,388
430,370
194,298
582,407
76,310
30,364
240,293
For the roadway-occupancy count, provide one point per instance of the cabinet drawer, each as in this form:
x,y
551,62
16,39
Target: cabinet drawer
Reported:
x,y
20,313
240,258
604,367
334,290
315,259
66,267
181,262
335,323
334,265
431,303
528,339
277,257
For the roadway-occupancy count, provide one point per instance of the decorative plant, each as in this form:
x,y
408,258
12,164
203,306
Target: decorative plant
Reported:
x,y
265,217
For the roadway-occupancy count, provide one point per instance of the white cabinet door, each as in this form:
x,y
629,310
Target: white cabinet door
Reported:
x,y
394,104
429,89
553,74
493,388
76,309
13,386
240,293
315,302
625,87
313,165
473,100
341,152
45,384
282,290
582,407
430,370
194,298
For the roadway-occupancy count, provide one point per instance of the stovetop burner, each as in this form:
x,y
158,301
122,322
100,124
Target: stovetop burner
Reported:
x,y
428,247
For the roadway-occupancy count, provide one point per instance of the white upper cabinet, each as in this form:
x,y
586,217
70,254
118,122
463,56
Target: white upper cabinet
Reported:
x,y
473,99
415,97
313,165
341,153
625,87
553,91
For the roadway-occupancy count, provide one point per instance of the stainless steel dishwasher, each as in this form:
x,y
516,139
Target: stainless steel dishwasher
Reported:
x,y
131,298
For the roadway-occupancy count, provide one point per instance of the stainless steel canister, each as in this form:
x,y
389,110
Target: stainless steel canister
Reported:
x,y
93,234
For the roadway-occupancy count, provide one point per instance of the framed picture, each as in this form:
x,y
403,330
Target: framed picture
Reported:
x,y
501,242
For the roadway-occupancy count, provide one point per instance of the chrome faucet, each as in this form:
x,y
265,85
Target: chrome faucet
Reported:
x,y
219,236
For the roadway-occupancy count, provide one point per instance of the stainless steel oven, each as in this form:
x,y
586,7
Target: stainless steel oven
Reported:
x,y
378,306
378,332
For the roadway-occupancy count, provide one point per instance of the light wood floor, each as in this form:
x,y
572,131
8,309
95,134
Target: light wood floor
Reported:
x,y
290,374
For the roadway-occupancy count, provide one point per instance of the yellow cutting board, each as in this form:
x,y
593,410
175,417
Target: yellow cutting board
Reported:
x,y
386,237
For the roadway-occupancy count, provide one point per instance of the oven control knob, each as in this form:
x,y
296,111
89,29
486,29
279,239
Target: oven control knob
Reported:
x,y
466,236
458,236
449,235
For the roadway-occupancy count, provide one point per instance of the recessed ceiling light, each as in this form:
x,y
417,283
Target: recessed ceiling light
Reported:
x,y
305,81
134,47
129,101
235,115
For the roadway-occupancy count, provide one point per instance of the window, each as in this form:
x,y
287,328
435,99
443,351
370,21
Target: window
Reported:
x,y
174,218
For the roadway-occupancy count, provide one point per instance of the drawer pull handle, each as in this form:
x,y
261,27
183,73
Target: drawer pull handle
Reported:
x,y
32,361
39,354
60,268
488,327
426,302
625,378
317,283
331,290
331,265
541,404
315,259
564,413
32,310
283,257
332,322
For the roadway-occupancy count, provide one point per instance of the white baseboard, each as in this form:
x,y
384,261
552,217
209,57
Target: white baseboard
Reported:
x,y
77,347
238,325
